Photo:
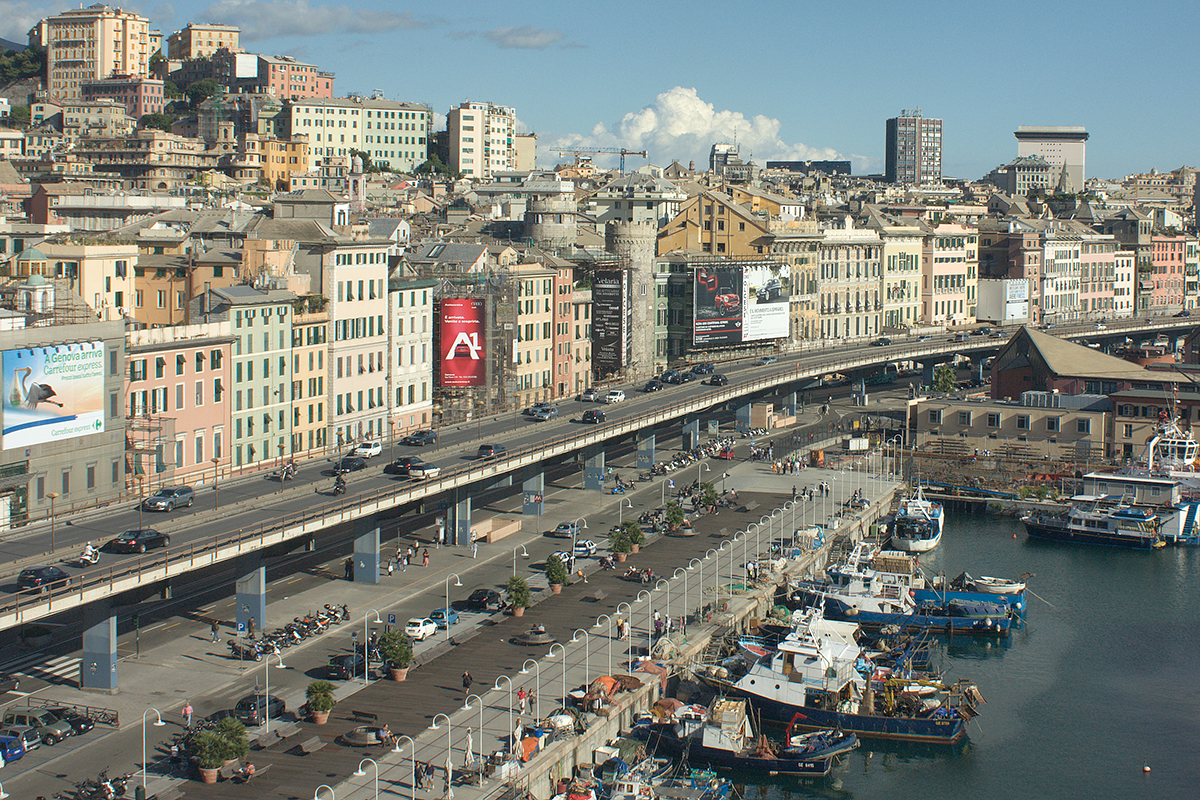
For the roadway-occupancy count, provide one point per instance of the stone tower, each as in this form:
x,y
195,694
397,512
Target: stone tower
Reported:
x,y
634,243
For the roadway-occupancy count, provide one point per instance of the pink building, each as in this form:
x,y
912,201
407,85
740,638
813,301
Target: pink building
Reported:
x,y
138,95
177,401
1166,270
289,79
1097,277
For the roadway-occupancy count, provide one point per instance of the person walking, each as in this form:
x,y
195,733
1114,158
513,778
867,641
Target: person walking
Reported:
x,y
522,699
425,558
474,548
391,567
250,628
793,492
216,631
187,714
467,680
404,563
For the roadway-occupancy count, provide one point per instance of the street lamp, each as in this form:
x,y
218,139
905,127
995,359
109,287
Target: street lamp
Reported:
x,y
524,554
621,510
770,518
790,506
54,496
701,465
537,695
550,655
662,583
449,752
267,688
366,647
412,757
317,791
281,467
216,474
610,637
496,688
718,569
158,723
457,582
3,794
392,451
716,576
649,618
361,773
587,652
575,532
467,707
675,575
700,589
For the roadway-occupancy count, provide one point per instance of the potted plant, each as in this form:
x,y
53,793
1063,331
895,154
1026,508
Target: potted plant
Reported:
x,y
319,696
211,751
519,598
618,542
633,530
397,653
675,516
234,733
556,574
708,495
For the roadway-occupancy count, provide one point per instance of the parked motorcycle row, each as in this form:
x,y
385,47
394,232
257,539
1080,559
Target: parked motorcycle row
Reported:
x,y
101,787
294,632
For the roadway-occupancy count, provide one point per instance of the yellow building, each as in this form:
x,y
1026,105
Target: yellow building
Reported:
x,y
201,41
282,158
90,44
310,351
712,222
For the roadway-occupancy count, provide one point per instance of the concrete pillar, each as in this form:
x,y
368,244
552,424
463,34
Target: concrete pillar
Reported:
x,y
98,666
251,593
691,433
645,449
787,402
927,372
741,413
366,551
593,468
533,494
458,518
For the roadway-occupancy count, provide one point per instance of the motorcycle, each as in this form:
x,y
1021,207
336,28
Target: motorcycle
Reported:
x,y
339,486
340,613
89,557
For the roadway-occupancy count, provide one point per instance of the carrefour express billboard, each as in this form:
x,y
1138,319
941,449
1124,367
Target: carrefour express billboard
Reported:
x,y
464,361
53,393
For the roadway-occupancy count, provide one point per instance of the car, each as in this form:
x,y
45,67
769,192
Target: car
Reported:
x,y
762,362
344,667
351,464
420,438
670,376
962,337
138,540
491,451
50,729
705,368
567,559
999,335
653,385
1182,314
594,416
584,548
422,470
40,577
1100,326
565,530
615,396
442,616
545,414
170,498
924,338
367,449
400,465
771,290
548,408
11,748
882,341
718,380
687,377
82,723
484,600
590,396
9,682
983,331
24,734
253,709
727,303
420,628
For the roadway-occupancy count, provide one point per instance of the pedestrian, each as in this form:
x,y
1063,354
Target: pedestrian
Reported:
x,y
658,628
419,774
411,553
425,558
467,680
793,492
391,567
187,714
174,750
399,553
582,576
250,628
404,564
522,699
348,566
474,548
216,631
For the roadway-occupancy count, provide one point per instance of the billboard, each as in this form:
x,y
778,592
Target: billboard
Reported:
x,y
53,393
735,303
464,359
611,339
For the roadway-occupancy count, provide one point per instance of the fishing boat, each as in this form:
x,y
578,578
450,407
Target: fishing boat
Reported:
x,y
811,681
723,736
989,585
697,784
917,527
994,590
1097,520
638,782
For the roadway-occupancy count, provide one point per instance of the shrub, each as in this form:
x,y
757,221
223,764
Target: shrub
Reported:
x,y
556,571
234,733
396,649
210,749
675,516
517,590
618,541
319,695
633,530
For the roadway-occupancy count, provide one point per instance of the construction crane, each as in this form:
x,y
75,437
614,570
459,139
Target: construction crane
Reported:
x,y
578,151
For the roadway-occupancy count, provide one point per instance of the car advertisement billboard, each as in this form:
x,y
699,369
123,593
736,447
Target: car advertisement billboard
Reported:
x,y
610,321
768,291
53,393
738,303
464,358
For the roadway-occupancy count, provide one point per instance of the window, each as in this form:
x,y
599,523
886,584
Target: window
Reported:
x,y
964,418
1127,433
1083,426
993,420
935,416
1022,422
1052,423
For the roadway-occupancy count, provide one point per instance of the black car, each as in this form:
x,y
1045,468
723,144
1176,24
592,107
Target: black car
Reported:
x,y
594,416
1184,313
253,709
882,341
483,600
718,380
37,577
72,716
9,682
400,465
344,667
351,464
653,386
704,369
138,540
670,376
687,377
491,451
420,438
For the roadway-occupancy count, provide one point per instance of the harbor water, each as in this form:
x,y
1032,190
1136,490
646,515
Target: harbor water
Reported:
x,y
1101,682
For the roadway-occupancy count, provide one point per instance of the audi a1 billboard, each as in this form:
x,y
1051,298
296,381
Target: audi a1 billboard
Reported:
x,y
464,339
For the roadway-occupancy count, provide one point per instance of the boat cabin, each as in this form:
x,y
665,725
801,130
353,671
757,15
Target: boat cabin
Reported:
x,y
1137,489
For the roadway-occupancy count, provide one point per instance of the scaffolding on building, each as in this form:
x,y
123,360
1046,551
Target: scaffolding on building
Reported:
x,y
149,451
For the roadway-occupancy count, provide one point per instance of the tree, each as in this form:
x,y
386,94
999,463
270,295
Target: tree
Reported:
x,y
160,122
943,378
556,571
395,649
319,695
19,117
675,516
368,165
618,541
200,91
517,590
708,494
633,530
435,166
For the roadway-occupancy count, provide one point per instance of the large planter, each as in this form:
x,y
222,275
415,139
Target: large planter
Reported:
x,y
556,588
209,775
398,673
518,611
635,548
620,558
38,642
319,717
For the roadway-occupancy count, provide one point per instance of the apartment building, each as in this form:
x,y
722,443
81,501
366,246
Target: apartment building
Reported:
x,y
798,243
949,274
309,397
1124,283
537,293
90,44
1097,277
393,133
711,222
102,273
902,259
913,149
138,95
99,118
202,41
1167,273
151,159
1063,147
288,79
851,282
481,137
637,198
410,301
580,369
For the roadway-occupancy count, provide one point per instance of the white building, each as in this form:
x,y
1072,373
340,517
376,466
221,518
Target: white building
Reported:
x,y
1064,147
482,139
638,197
394,134
1124,285
411,346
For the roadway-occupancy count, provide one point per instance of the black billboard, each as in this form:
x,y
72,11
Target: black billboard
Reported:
x,y
610,322
719,305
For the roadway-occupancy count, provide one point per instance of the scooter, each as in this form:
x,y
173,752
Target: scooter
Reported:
x,y
339,487
87,559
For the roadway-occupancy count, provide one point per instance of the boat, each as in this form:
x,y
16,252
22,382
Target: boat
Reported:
x,y
989,585
917,527
969,589
638,782
723,736
1097,520
813,681
697,784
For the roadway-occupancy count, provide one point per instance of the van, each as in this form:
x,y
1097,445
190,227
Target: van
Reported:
x,y
615,396
962,337
50,729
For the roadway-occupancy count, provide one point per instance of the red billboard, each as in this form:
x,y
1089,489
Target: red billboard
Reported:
x,y
463,341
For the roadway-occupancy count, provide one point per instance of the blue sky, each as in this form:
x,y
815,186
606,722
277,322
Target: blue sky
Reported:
x,y
793,79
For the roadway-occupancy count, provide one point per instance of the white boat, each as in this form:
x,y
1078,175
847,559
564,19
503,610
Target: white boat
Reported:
x,y
990,585
917,527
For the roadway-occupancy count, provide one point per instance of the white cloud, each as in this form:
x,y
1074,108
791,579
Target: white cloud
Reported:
x,y
679,125
19,17
523,37
271,19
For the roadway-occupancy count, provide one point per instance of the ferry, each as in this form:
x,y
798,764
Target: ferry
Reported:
x,y
1098,520
918,525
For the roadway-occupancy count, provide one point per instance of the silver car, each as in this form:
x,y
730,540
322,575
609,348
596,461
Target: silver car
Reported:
x,y
170,498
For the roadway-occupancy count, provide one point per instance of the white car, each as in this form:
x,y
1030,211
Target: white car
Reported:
x,y
584,548
420,628
367,449
590,396
423,470
566,558
615,396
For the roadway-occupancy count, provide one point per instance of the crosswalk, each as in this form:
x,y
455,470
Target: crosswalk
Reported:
x,y
55,669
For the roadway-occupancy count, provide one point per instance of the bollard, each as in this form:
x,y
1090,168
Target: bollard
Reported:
x,y
139,793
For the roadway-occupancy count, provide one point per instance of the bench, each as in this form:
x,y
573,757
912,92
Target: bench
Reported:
x,y
227,772
312,745
364,715
597,596
258,772
286,730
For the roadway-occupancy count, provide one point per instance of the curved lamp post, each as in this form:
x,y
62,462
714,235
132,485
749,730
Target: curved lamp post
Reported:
x,y
361,773
699,466
695,562
712,553
575,532
449,752
621,510
770,518
537,694
674,576
664,585
550,655
496,688
412,756
524,554
587,652
366,648
718,565
467,707
158,723
267,688
317,792
649,618
457,582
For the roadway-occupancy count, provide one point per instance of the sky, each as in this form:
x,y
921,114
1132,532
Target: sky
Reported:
x,y
805,79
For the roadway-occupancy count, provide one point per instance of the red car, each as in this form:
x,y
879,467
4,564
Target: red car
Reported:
x,y
728,303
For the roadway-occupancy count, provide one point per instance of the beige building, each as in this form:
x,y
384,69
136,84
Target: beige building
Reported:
x,y
798,243
412,354
482,140
902,251
394,134
90,44
310,352
949,275
535,333
201,41
851,282
101,273
713,223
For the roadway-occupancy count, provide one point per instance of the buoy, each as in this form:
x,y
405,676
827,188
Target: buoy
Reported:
x,y
1014,536
1145,767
